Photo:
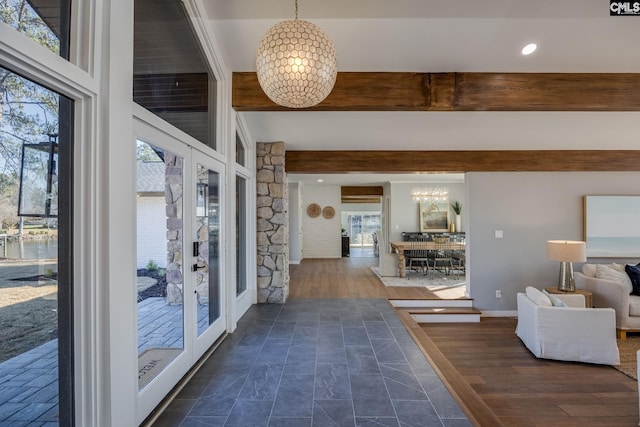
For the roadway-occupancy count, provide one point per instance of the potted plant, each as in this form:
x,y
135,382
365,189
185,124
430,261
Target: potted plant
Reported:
x,y
457,209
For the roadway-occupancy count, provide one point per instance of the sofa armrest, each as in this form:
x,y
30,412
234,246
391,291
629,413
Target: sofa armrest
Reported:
x,y
606,293
584,334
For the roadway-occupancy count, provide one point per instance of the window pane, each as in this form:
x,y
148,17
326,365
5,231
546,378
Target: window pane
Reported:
x,y
171,78
35,254
241,235
240,154
159,267
207,237
44,21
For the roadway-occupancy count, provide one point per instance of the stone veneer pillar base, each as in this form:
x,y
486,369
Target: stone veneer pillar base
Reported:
x,y
273,223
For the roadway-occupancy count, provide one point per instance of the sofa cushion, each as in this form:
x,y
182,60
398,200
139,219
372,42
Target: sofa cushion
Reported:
x,y
538,297
608,273
633,271
589,270
634,305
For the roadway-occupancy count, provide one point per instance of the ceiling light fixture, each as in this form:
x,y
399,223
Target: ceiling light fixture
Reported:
x,y
296,63
429,194
529,49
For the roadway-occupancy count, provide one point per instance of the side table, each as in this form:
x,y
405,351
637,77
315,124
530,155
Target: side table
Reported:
x,y
588,296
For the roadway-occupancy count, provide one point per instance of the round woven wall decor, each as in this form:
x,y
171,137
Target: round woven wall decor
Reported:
x,y
313,210
328,212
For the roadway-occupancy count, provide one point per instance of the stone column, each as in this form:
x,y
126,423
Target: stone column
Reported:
x,y
273,223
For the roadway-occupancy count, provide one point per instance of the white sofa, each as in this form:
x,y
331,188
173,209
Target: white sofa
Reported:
x,y
613,294
572,333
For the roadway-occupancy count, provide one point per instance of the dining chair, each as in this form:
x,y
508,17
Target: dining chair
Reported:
x,y
419,254
442,254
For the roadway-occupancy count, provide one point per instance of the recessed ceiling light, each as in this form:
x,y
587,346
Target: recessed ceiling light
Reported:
x,y
529,49
321,180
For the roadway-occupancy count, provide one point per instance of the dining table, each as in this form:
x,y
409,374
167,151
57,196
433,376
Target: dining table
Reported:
x,y
400,247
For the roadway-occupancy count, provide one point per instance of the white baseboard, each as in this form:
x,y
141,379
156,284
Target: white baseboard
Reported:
x,y
294,262
500,313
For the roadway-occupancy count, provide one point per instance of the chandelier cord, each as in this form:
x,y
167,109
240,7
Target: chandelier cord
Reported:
x,y
296,10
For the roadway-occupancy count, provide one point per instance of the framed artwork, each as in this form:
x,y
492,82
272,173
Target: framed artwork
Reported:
x,y
612,226
434,215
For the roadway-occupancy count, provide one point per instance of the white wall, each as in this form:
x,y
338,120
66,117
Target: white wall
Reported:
x,y
151,231
295,223
360,207
530,208
321,236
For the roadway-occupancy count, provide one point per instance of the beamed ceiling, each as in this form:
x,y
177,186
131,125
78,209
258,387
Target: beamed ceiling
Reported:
x,y
426,75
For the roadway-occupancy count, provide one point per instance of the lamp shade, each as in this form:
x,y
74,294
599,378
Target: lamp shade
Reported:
x,y
566,250
296,64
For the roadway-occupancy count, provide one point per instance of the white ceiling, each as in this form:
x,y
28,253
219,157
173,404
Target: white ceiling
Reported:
x,y
444,36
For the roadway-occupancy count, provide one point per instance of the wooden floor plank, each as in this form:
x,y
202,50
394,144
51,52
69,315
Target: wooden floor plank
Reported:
x,y
345,278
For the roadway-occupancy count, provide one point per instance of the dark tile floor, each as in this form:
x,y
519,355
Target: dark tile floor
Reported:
x,y
342,362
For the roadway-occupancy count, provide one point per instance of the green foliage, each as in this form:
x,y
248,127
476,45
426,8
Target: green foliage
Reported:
x,y
48,273
151,265
144,153
20,15
457,207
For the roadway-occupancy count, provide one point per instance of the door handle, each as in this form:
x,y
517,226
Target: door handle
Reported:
x,y
196,267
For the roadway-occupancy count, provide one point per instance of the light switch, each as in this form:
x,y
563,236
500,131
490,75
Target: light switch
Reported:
x,y
499,234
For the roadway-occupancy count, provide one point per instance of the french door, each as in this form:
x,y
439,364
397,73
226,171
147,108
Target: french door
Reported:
x,y
207,251
180,248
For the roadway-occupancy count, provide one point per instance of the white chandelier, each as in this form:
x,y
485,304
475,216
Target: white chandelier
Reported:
x,y
296,63
429,194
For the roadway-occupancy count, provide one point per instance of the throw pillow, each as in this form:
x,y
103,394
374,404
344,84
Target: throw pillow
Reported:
x,y
538,297
634,275
555,301
617,267
608,273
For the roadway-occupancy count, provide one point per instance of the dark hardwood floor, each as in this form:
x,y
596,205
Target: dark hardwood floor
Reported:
x,y
491,374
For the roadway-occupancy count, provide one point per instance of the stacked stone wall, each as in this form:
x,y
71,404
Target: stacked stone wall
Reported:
x,y
273,224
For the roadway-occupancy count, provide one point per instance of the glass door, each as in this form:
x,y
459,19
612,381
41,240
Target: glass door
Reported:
x,y
208,251
361,229
159,270
178,287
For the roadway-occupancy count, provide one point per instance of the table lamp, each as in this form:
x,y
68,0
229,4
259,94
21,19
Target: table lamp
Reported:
x,y
566,251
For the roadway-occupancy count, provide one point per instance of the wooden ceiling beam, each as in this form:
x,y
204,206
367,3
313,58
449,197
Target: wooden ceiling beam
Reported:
x,y
397,91
359,191
361,200
462,161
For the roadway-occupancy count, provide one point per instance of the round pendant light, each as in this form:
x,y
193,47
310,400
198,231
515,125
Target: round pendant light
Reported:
x,y
296,63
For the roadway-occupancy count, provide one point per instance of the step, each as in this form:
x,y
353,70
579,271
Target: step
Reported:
x,y
415,303
444,314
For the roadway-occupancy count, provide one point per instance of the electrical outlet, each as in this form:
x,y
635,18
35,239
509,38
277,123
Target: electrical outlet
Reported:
x,y
498,293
